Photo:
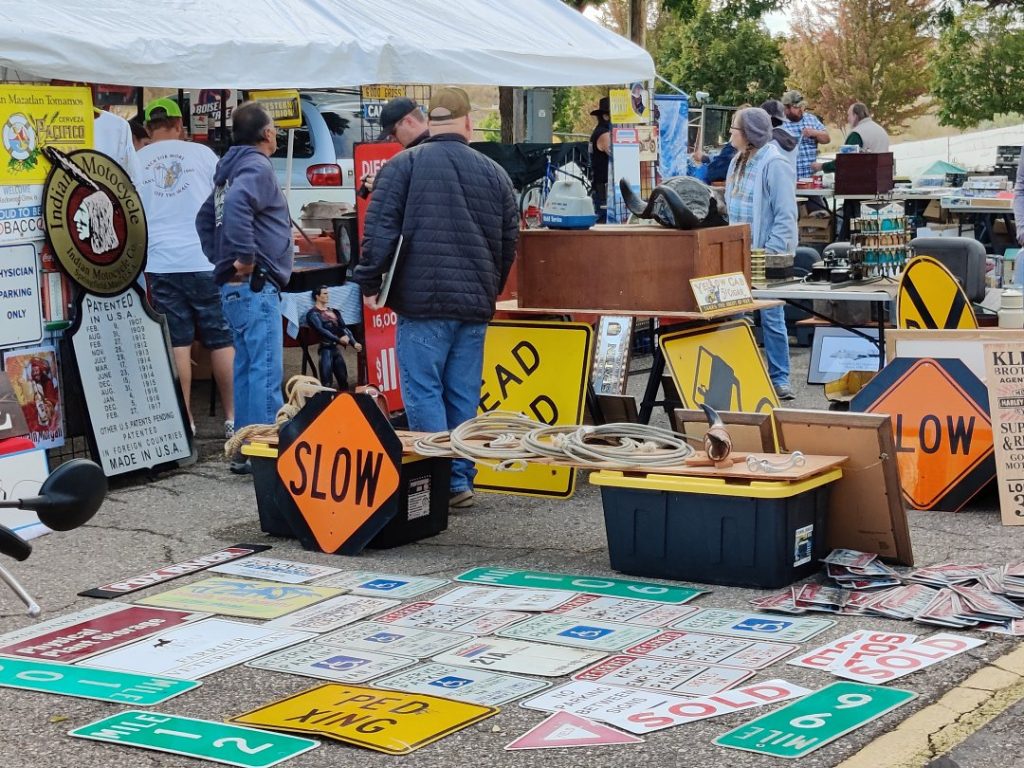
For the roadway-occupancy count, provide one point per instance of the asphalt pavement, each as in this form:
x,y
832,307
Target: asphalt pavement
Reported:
x,y
149,522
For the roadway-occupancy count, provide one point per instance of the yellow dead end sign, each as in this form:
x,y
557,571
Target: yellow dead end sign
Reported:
x,y
393,722
541,370
930,297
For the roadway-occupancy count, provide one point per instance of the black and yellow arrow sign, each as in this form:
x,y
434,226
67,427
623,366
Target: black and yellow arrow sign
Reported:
x,y
930,297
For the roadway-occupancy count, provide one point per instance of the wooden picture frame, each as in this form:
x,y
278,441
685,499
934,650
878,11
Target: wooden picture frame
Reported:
x,y
750,432
967,345
866,507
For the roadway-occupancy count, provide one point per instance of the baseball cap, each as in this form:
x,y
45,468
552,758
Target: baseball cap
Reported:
x,y
792,98
448,103
394,111
775,111
163,108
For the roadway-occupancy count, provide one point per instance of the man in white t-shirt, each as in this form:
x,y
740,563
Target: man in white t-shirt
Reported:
x,y
175,179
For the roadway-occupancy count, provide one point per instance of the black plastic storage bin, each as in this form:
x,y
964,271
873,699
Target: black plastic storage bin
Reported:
x,y
763,534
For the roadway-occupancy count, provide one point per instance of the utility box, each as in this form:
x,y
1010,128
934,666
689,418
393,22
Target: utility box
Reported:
x,y
539,115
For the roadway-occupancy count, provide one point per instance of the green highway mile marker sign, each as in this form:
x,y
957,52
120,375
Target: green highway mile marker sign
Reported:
x,y
202,739
815,720
85,683
592,585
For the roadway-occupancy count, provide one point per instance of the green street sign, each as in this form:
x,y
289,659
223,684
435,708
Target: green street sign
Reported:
x,y
592,585
86,683
202,739
815,720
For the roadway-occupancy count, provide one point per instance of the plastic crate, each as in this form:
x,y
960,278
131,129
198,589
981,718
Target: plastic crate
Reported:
x,y
763,534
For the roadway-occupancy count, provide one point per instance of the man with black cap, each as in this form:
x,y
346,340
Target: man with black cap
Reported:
x,y
402,119
600,153
452,214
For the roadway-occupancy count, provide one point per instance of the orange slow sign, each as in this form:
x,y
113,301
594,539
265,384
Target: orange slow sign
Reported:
x,y
342,469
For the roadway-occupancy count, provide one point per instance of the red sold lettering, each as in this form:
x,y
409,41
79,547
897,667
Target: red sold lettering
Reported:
x,y
650,720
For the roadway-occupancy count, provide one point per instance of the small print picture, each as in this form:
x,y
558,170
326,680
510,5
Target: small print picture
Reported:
x,y
34,378
803,544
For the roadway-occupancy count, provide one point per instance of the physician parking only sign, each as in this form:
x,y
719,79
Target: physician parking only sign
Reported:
x,y
21,313
540,370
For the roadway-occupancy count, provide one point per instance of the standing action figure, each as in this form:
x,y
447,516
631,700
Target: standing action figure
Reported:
x,y
333,332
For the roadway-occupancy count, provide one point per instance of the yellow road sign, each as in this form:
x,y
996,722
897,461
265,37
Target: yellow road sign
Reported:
x,y
393,722
719,364
930,297
540,370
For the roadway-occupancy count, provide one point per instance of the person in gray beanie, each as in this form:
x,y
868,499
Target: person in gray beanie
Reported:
x,y
759,191
783,139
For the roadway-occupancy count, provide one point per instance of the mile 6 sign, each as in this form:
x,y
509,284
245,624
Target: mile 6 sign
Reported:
x,y
815,720
340,460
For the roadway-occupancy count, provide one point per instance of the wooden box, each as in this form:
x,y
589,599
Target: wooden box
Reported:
x,y
639,268
864,173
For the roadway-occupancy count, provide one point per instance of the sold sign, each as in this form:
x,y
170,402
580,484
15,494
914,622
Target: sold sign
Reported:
x,y
902,660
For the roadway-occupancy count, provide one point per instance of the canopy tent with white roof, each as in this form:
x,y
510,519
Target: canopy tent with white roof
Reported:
x,y
315,43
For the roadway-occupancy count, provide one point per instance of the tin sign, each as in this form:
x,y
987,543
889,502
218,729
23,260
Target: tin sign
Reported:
x,y
375,584
597,635
332,614
450,618
499,599
712,649
201,739
623,610
760,626
903,659
593,585
825,656
272,569
391,639
660,675
198,649
564,729
519,657
98,684
325,663
461,684
246,598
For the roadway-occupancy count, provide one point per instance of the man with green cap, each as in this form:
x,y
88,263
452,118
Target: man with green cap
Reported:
x,y
176,178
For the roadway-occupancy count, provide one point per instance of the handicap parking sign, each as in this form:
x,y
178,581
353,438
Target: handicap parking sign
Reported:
x,y
383,585
384,637
586,633
451,682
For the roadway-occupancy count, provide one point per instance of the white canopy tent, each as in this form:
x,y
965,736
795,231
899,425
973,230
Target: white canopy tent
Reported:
x,y
315,43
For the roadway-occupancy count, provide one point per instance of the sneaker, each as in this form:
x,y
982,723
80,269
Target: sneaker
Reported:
x,y
784,392
460,499
229,430
241,467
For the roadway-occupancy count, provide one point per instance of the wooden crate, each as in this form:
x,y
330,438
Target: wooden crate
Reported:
x,y
641,268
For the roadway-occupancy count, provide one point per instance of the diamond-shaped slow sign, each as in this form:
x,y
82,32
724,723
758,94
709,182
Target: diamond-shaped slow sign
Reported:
x,y
340,461
939,412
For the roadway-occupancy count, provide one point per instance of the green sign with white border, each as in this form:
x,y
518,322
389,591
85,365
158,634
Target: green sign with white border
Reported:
x,y
815,720
591,585
88,683
202,739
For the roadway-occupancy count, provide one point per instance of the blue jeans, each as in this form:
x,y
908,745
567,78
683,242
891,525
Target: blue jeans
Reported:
x,y
255,322
776,344
440,363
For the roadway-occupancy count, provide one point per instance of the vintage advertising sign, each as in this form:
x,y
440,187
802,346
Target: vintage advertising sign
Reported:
x,y
629,105
814,721
597,635
33,117
206,111
95,224
755,626
12,420
273,569
332,614
564,729
247,598
340,461
375,584
729,291
381,92
339,666
168,572
593,585
91,636
391,722
500,599
198,649
680,677
450,618
540,370
623,610
1004,367
374,636
461,684
611,354
21,213
719,365
22,309
698,648
944,441
201,739
518,656
34,377
135,407
283,105
930,297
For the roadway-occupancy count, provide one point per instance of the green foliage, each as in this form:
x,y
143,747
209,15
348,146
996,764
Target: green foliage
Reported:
x,y
490,127
978,67
735,59
738,9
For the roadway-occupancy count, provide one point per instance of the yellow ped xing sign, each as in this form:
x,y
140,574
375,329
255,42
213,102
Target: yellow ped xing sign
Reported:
x,y
930,296
393,722
719,365
283,105
541,370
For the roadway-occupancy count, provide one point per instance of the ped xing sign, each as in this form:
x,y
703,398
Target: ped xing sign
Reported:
x,y
201,739
944,441
812,722
638,590
392,722
340,461
83,683
540,370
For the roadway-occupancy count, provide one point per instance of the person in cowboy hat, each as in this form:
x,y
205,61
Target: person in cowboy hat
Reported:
x,y
600,153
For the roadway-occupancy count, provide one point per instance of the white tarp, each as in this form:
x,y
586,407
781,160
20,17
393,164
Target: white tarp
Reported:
x,y
974,151
314,43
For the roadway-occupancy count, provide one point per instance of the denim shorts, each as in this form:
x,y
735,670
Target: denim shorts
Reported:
x,y
191,303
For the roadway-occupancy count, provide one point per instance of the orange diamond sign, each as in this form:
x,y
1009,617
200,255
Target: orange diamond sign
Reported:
x,y
340,461
939,412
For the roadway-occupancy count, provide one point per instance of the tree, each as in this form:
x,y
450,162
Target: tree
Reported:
x,y
735,59
978,67
874,51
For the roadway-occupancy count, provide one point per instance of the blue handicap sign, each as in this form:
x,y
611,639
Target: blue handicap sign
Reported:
x,y
583,632
451,682
766,626
384,637
341,663
383,585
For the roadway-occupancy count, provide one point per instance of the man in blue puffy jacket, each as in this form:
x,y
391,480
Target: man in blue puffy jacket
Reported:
x,y
456,213
245,230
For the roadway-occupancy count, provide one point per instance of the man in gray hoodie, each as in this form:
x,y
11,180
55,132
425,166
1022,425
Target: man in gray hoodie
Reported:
x,y
245,230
